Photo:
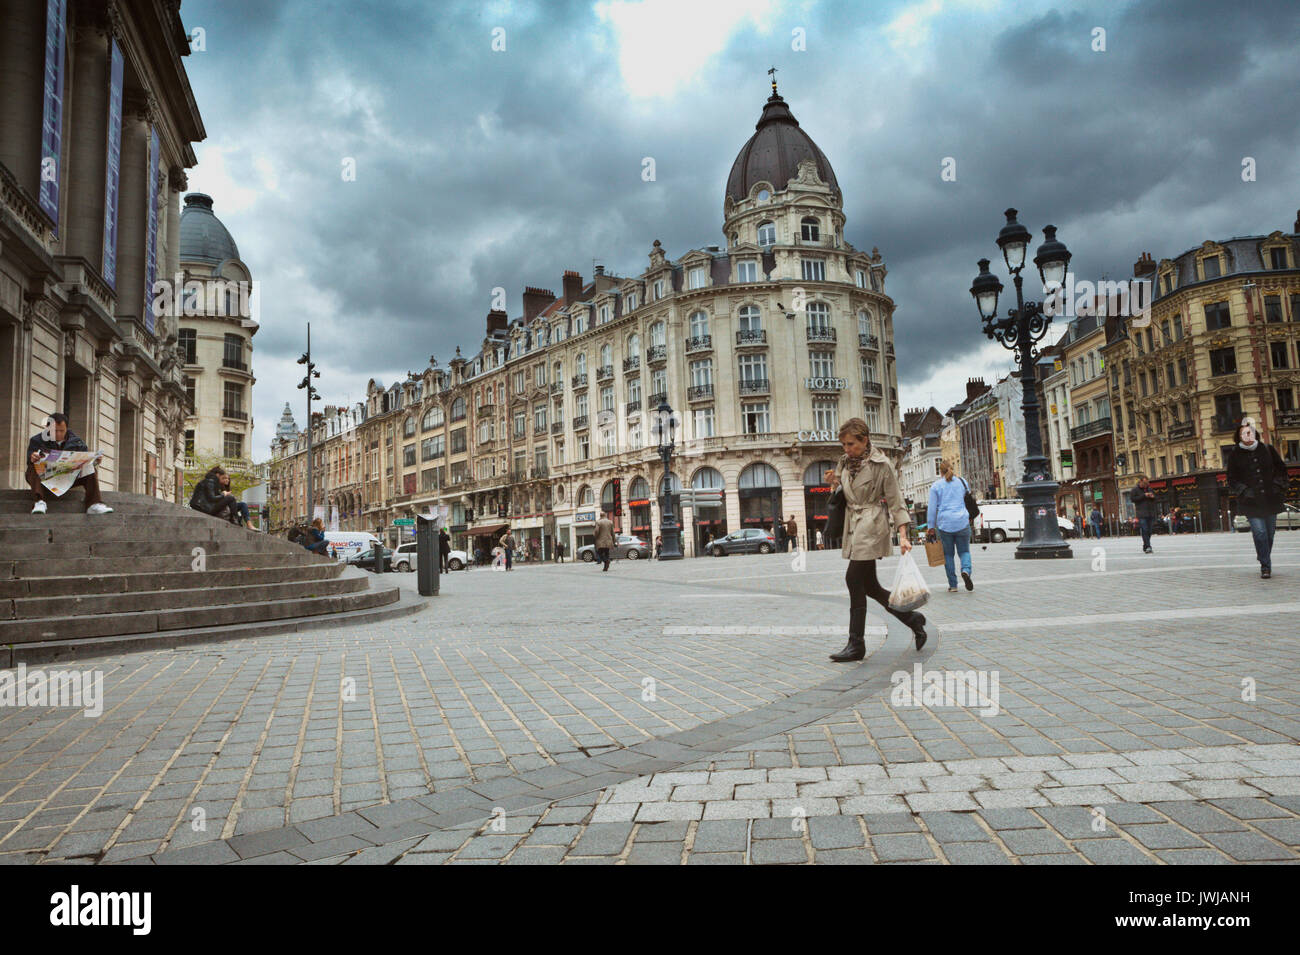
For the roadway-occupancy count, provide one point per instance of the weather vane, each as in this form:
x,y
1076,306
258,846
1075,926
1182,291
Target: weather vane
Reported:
x,y
772,73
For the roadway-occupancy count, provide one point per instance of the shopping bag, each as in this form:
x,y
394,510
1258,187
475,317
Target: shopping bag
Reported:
x,y
934,553
909,591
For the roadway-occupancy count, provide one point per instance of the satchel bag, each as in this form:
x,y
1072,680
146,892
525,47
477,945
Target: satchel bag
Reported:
x,y
972,508
835,515
934,553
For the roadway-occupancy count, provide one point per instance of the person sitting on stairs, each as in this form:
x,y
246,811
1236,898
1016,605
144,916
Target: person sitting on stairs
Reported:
x,y
63,440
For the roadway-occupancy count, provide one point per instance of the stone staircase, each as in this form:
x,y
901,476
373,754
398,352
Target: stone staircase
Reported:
x,y
71,583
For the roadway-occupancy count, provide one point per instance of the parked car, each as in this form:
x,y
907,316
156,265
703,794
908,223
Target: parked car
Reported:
x,y
457,560
1288,520
1002,520
366,560
406,558
751,540
633,548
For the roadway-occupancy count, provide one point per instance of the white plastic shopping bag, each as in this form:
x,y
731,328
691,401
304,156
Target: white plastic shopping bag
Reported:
x,y
909,591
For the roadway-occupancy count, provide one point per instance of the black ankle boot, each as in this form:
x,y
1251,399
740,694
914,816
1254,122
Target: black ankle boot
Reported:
x,y
856,648
918,629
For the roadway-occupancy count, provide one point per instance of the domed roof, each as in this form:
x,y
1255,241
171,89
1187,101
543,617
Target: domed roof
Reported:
x,y
203,238
774,152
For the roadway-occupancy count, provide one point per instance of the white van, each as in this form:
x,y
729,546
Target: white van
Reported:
x,y
1004,519
346,544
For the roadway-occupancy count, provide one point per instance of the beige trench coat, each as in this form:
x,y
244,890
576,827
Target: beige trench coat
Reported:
x,y
868,523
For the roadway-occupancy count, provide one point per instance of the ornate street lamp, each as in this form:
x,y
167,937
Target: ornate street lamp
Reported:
x,y
312,394
666,428
1020,331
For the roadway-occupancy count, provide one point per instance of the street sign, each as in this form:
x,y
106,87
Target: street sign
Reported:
x,y
404,522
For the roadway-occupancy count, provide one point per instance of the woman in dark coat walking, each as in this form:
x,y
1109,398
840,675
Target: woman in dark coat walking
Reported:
x,y
872,502
1258,478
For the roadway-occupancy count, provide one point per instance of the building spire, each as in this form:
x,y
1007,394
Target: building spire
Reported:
x,y
772,73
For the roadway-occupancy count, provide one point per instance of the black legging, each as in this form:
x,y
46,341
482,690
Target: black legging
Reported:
x,y
862,582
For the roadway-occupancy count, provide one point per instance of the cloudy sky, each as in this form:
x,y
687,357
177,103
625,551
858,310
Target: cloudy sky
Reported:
x,y
477,168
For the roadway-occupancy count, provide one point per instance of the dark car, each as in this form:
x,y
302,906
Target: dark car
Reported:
x,y
366,560
633,548
751,540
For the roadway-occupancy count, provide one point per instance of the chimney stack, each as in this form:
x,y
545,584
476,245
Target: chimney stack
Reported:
x,y
572,287
536,299
974,388
497,321
1144,267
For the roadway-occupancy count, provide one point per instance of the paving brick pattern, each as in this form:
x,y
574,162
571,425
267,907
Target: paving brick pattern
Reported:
x,y
520,729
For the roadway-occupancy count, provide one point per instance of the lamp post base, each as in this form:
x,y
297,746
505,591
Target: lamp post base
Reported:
x,y
671,548
1042,537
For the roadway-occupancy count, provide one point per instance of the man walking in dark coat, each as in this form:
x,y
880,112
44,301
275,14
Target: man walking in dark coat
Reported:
x,y
604,540
1144,501
1257,477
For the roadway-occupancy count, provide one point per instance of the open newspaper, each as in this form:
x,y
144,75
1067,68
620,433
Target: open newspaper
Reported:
x,y
59,470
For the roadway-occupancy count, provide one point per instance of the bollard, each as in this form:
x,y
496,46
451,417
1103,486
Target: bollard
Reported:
x,y
427,555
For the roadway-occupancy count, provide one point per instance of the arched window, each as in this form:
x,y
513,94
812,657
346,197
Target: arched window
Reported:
x,y
586,496
558,371
580,364
639,490
866,326
707,479
606,356
699,324
458,409
607,497
766,234
657,334
408,428
759,475
634,345
819,320
750,318
809,229
815,474
432,418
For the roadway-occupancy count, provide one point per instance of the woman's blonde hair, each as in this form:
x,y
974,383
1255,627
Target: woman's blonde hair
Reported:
x,y
945,468
318,523
855,427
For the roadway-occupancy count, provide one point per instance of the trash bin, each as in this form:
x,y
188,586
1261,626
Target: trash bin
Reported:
x,y
378,554
427,557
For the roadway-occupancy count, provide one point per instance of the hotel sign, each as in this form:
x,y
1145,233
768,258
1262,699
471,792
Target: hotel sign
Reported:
x,y
820,437
826,384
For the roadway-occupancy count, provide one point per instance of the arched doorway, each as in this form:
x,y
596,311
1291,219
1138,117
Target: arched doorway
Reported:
x,y
638,501
816,497
760,496
710,519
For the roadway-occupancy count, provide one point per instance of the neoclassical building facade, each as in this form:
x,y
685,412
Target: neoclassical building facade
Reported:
x,y
97,123
761,348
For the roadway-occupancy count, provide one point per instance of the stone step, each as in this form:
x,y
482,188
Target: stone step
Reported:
x,y
20,502
53,651
130,526
176,580
95,566
80,605
74,628
90,546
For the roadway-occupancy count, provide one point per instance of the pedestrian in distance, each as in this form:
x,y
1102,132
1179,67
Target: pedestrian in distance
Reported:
x,y
1257,477
949,522
1144,502
559,552
659,545
792,532
1095,520
872,502
508,548
444,549
604,540
59,437
819,539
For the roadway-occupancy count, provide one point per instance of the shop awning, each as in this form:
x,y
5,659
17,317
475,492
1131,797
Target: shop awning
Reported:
x,y
481,529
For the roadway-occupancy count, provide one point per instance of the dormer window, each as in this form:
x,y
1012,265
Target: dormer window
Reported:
x,y
659,289
1211,267
1167,283
861,278
747,272
579,323
810,230
697,279
766,234
629,302
605,314
1277,258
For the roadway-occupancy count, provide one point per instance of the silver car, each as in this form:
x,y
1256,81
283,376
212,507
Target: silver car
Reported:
x,y
633,548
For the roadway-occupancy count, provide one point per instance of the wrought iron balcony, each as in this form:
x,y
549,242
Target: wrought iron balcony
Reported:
x,y
658,398
580,381
579,422
632,363
868,341
539,428
699,343
821,334
632,407
1181,432
557,427
873,388
234,413
604,372
557,387
754,336
541,472
699,392
656,353
1089,430
233,363
754,386
889,349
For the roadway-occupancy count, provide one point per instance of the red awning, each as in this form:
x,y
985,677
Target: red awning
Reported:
x,y
483,529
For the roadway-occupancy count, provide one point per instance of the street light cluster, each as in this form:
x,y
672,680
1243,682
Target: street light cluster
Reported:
x,y
312,394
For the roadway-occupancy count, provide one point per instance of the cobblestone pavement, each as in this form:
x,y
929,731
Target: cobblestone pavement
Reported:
x,y
1146,711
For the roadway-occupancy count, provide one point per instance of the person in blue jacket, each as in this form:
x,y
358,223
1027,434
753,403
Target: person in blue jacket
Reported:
x,y
948,516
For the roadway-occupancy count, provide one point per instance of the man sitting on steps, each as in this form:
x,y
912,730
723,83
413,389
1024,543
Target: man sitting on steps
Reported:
x,y
64,440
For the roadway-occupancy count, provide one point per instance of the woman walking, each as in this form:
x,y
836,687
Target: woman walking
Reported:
x,y
1258,478
872,501
947,514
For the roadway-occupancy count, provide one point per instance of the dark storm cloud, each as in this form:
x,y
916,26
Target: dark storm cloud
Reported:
x,y
478,169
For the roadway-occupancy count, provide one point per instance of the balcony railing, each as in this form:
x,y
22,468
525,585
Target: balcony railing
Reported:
x,y
579,422
699,392
873,388
889,349
557,387
754,386
1091,429
754,336
604,372
234,413
1181,432
868,341
656,353
821,334
632,407
486,408
632,363
557,427
234,363
658,398
539,428
580,381
893,395
518,475
699,343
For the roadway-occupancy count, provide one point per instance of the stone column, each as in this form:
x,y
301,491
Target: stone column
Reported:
x,y
86,146
133,212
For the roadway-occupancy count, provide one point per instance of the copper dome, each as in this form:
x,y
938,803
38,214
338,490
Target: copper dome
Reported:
x,y
774,152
